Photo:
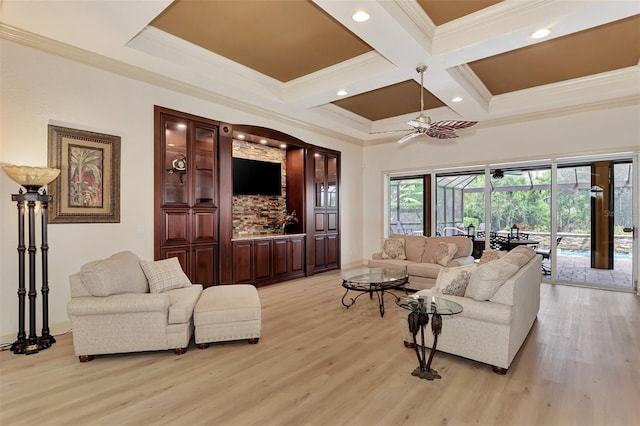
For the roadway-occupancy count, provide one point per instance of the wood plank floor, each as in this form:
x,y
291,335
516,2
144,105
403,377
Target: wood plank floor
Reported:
x,y
318,363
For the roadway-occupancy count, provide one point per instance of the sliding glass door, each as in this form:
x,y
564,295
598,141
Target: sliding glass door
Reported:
x,y
407,205
579,214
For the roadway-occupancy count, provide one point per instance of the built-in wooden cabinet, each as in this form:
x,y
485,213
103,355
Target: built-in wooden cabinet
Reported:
x,y
266,260
193,204
186,196
324,186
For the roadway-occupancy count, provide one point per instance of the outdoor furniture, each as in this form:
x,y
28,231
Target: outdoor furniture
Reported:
x,y
545,252
453,231
499,242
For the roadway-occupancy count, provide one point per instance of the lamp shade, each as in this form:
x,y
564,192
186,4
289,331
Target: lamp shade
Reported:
x,y
31,178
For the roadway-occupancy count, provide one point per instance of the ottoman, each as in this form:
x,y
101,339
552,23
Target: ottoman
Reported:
x,y
227,312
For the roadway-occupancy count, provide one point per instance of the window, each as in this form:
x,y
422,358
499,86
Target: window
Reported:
x,y
407,205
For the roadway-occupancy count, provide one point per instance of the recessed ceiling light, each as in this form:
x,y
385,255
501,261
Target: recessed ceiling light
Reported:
x,y
360,16
240,136
283,145
341,92
456,99
542,32
263,141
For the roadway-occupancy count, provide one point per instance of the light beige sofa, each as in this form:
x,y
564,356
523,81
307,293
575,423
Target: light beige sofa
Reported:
x,y
490,331
112,310
419,252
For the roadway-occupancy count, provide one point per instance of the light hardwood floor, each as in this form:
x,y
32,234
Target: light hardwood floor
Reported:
x,y
318,363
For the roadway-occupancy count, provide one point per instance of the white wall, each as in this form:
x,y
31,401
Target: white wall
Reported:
x,y
606,130
38,89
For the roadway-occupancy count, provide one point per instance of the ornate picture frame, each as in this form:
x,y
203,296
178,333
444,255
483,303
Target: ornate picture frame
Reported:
x,y
88,188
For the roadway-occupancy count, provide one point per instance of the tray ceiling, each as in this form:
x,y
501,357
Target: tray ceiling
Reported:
x,y
291,58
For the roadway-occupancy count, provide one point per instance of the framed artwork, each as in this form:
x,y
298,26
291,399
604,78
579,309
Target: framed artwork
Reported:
x,y
88,188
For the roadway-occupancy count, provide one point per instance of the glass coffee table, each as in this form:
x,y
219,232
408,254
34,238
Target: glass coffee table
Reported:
x,y
374,280
420,307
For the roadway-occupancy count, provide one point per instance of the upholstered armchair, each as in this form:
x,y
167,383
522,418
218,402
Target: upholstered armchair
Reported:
x,y
122,304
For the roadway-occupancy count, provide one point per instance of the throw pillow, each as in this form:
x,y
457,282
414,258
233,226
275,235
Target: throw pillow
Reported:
x,y
491,255
393,248
488,279
454,281
164,275
444,253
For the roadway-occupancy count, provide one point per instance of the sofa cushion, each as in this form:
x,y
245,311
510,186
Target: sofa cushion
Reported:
x,y
164,275
491,255
413,246
525,251
118,274
393,248
454,281
488,278
426,270
386,263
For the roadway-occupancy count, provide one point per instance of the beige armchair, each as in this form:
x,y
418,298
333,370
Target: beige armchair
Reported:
x,y
113,311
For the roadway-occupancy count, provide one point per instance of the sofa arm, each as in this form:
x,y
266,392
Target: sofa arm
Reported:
x,y
119,304
376,256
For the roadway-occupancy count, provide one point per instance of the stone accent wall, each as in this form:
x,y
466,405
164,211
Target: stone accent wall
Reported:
x,y
255,214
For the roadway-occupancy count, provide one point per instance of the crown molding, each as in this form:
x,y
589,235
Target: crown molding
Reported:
x,y
94,60
628,101
632,100
418,16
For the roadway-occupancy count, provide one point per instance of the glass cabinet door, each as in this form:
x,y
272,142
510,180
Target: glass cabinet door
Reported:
x,y
175,162
332,182
320,180
203,154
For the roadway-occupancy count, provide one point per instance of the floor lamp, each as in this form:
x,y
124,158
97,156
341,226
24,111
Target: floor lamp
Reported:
x,y
32,179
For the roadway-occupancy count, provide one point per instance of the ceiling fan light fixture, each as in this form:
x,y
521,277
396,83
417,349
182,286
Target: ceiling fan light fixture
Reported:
x,y
360,16
422,125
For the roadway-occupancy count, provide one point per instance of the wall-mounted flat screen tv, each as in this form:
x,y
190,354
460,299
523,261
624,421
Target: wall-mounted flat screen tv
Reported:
x,y
253,177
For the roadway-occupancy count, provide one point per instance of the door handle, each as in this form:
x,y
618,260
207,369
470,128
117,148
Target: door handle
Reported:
x,y
631,229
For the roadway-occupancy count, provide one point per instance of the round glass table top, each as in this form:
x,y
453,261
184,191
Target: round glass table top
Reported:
x,y
429,305
370,276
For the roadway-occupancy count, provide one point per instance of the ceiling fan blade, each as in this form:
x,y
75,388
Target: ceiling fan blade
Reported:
x,y
388,131
408,137
441,133
453,124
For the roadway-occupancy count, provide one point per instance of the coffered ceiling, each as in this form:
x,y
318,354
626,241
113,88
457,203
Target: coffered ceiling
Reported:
x,y
291,57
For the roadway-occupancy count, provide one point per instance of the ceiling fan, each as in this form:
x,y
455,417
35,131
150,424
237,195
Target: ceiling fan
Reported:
x,y
500,173
422,124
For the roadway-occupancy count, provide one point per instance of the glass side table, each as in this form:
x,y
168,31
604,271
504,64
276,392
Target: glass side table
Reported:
x,y
420,308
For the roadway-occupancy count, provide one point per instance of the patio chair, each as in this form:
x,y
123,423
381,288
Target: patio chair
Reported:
x,y
452,231
499,242
545,252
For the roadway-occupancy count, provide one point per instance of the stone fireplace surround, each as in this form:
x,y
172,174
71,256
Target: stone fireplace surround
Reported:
x,y
255,214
